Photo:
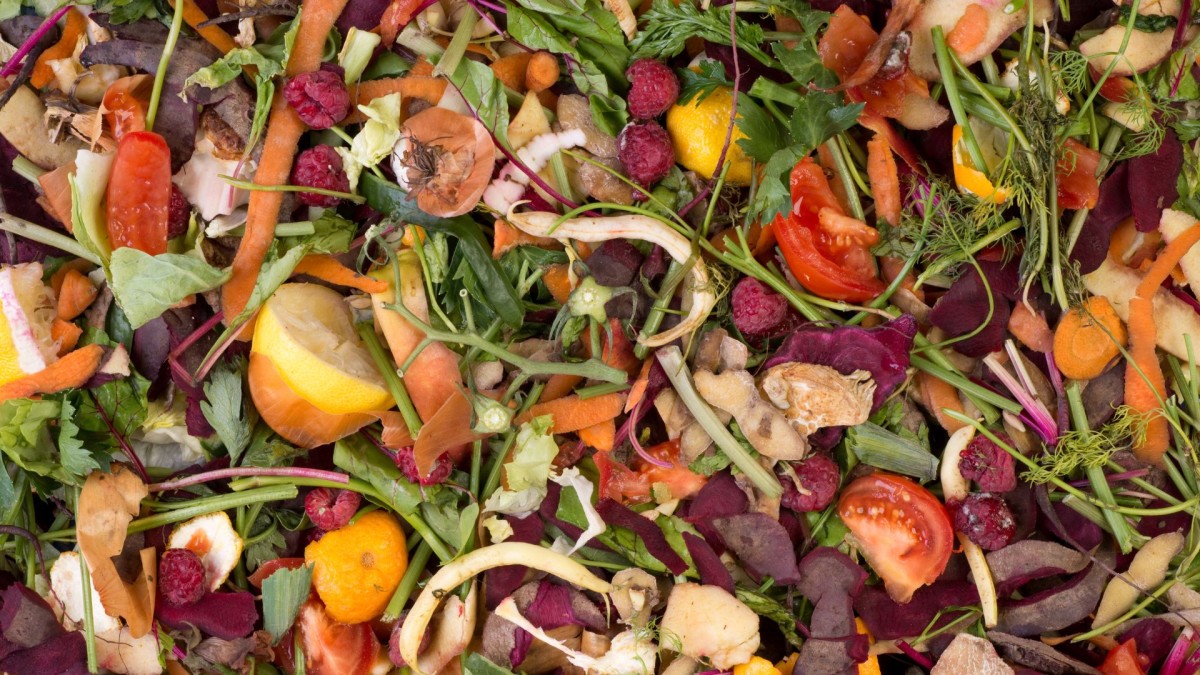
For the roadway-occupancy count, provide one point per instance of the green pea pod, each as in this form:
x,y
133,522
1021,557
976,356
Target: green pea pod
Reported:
x,y
387,197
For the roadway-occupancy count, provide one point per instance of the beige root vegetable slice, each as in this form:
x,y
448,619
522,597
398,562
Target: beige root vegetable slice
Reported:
x,y
763,424
454,573
107,503
593,230
445,159
1148,569
955,488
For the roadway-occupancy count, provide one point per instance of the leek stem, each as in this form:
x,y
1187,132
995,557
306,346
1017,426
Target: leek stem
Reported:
x,y
164,62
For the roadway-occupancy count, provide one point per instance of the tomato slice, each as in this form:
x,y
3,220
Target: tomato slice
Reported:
x,y
624,484
818,273
332,648
139,193
620,482
271,566
125,103
1075,176
1123,660
902,530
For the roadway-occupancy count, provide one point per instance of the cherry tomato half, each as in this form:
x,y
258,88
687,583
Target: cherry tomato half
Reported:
x,y
902,530
331,648
1075,176
139,193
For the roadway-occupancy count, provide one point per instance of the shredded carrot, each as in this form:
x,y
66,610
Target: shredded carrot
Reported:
x,y
194,16
558,282
428,89
542,72
1146,390
395,430
1087,339
638,391
884,178
558,386
75,294
56,279
69,372
56,188
66,334
1030,328
506,237
511,70
971,29
940,396
421,68
74,30
327,268
602,436
572,413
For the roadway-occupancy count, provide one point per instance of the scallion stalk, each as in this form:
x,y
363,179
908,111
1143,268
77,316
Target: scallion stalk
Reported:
x,y
883,449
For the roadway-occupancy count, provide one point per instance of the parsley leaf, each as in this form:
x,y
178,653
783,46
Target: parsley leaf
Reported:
x,y
668,26
75,459
764,134
821,116
226,410
268,542
699,85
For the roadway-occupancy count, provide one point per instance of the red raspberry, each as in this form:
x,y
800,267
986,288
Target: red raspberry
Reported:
x,y
394,641
988,465
179,212
181,577
320,97
320,167
329,509
653,88
759,312
819,476
986,520
407,463
645,150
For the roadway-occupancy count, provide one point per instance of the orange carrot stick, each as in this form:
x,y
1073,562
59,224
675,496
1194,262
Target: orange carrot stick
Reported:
x,y
73,31
558,282
1146,390
939,396
572,413
1030,328
602,436
428,89
1087,338
542,73
505,237
327,268
510,70
75,294
194,16
66,334
884,178
72,370
284,130
449,430
558,386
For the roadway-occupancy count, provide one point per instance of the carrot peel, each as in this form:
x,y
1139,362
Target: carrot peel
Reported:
x,y
69,372
327,268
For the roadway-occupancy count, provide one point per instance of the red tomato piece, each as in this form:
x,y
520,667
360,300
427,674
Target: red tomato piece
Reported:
x,y
620,482
818,273
125,103
139,193
1075,175
1123,660
902,530
624,484
332,648
271,566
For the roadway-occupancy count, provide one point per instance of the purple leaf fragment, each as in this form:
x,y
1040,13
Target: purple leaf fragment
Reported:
x,y
889,620
616,513
708,563
1111,208
228,616
1060,606
720,497
831,581
1152,177
25,619
762,545
63,654
971,308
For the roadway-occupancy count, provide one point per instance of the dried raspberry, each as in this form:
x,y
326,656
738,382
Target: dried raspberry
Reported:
x,y
330,509
180,577
645,150
759,312
407,463
179,212
320,98
320,167
988,465
819,476
653,88
986,520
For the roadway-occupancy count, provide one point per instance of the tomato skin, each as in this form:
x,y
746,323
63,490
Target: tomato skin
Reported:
x,y
627,485
332,648
1123,660
125,103
139,193
903,531
271,566
1075,176
816,272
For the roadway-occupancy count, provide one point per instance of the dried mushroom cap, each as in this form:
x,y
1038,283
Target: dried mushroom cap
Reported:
x,y
814,397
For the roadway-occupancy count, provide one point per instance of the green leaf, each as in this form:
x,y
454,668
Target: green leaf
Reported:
x,y
268,450
533,457
609,113
801,62
229,67
535,30
821,116
774,196
331,234
75,459
764,134
24,433
8,491
147,285
485,94
9,9
699,83
769,608
283,593
478,664
268,541
357,457
707,465
121,402
668,26
226,410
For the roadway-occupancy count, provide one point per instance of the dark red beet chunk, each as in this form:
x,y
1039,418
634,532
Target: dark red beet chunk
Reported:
x,y
228,616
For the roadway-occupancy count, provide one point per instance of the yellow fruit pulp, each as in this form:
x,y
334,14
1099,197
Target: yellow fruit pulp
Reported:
x,y
26,312
697,131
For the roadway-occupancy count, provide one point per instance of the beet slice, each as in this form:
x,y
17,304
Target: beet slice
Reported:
x,y
1152,179
64,654
616,513
965,307
1061,606
889,620
500,582
1017,564
1154,638
708,563
762,545
1111,208
25,619
1037,655
225,615
831,581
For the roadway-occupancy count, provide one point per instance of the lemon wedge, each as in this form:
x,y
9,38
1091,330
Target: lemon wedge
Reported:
x,y
307,331
26,312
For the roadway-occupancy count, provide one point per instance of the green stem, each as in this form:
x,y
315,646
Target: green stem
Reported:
x,y
458,45
675,275
89,621
843,171
252,186
1096,476
27,169
384,364
42,235
408,583
946,68
164,62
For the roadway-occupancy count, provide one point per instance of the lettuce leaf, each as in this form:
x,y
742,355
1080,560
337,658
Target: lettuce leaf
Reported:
x,y
147,285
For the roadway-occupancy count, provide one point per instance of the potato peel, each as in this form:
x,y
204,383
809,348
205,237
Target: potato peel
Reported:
x,y
107,504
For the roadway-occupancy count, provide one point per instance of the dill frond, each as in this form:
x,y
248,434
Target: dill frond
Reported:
x,y
1144,110
1070,70
1081,448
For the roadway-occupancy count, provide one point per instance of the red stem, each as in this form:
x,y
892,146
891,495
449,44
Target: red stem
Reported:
x,y
125,447
14,63
287,472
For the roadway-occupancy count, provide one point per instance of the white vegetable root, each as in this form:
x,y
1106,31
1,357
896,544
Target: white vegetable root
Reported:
x,y
593,230
454,573
1148,569
508,187
955,488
